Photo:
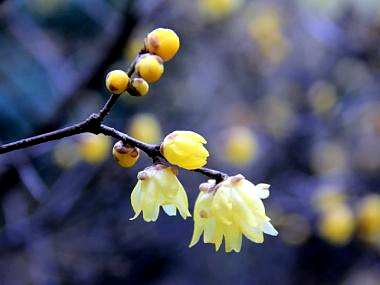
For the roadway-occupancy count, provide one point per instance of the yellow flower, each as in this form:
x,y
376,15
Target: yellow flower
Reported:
x,y
150,67
125,155
229,210
185,149
117,81
162,42
158,186
337,225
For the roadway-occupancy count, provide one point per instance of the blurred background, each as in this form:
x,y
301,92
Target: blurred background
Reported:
x,y
286,92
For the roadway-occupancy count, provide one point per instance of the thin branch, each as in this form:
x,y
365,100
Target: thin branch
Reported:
x,y
93,124
51,136
211,173
108,106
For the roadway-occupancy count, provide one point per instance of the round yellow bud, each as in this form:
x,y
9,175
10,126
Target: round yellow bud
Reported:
x,y
140,85
146,128
162,42
150,67
125,155
93,148
185,149
117,81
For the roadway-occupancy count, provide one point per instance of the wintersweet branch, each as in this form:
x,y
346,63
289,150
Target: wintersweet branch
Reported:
x,y
226,207
93,125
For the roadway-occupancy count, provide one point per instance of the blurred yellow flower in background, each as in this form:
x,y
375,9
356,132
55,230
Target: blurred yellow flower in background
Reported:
x,y
265,30
241,146
185,149
229,210
146,128
322,96
368,218
158,186
94,148
65,154
132,48
217,9
337,225
329,158
278,116
328,197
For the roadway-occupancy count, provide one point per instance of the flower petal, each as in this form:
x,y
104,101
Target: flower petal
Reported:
x,y
269,229
262,190
170,210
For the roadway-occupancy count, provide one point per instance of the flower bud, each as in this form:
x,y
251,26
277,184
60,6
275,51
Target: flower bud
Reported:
x,y
162,42
185,149
125,155
150,67
117,81
140,86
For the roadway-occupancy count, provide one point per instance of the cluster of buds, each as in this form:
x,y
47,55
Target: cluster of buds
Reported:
x,y
226,209
160,45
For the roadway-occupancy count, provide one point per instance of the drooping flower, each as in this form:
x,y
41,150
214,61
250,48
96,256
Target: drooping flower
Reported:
x,y
229,210
185,149
158,186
